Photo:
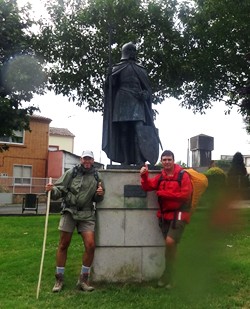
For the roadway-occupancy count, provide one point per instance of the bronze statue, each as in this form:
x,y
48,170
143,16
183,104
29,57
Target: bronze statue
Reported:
x,y
129,135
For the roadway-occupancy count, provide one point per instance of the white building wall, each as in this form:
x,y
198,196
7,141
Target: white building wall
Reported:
x,y
63,142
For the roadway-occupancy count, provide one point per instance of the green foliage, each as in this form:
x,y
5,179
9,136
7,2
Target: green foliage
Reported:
x,y
196,51
182,164
77,43
237,174
215,171
193,50
223,164
21,72
216,178
217,181
237,165
217,36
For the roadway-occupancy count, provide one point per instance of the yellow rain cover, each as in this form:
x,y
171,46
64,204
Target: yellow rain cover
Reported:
x,y
199,183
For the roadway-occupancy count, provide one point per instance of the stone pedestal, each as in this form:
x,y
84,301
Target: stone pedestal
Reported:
x,y
130,246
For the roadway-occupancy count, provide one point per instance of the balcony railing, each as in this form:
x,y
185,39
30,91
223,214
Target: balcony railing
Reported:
x,y
26,185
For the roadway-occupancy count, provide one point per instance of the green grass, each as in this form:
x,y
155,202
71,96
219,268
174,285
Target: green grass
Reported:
x,y
213,269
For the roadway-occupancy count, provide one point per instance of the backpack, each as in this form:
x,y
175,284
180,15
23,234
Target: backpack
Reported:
x,y
199,183
74,174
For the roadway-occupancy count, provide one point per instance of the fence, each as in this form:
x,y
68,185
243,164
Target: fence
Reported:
x,y
31,185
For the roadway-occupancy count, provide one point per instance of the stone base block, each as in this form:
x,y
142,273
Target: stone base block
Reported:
x,y
128,264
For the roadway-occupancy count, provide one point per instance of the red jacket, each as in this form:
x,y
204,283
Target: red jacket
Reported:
x,y
174,198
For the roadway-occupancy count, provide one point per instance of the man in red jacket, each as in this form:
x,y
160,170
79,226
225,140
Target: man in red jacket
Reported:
x,y
174,191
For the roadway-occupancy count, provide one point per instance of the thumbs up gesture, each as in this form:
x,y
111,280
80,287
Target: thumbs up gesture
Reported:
x,y
99,189
144,169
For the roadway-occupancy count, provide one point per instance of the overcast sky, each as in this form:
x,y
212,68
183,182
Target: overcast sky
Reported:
x,y
176,125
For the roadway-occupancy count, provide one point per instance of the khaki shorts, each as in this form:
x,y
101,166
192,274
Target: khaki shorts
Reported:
x,y
68,224
168,229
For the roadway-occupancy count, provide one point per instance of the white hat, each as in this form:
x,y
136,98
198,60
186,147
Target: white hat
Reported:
x,y
88,153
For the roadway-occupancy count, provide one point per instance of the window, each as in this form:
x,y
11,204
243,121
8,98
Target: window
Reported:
x,y
17,139
22,174
247,161
53,148
3,175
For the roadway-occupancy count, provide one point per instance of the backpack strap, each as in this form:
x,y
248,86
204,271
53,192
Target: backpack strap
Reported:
x,y
73,175
68,185
179,178
96,175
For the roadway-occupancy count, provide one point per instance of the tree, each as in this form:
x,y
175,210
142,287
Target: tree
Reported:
x,y
21,73
237,174
76,43
193,50
217,47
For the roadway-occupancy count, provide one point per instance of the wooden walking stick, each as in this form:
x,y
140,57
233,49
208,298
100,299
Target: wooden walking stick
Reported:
x,y
44,240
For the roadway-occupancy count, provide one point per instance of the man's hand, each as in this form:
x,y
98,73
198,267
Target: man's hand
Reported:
x,y
99,190
49,187
144,169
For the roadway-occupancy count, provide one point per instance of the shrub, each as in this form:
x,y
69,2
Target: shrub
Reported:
x,y
216,177
237,174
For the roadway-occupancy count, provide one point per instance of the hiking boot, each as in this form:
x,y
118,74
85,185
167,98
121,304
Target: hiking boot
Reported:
x,y
59,283
83,283
164,281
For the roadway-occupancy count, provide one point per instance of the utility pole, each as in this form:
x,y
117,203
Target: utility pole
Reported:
x,y
188,154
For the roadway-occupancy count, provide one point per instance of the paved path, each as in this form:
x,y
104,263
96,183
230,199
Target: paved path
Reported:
x,y
16,209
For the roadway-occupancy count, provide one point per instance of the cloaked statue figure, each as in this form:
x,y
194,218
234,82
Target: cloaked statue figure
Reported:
x,y
129,134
